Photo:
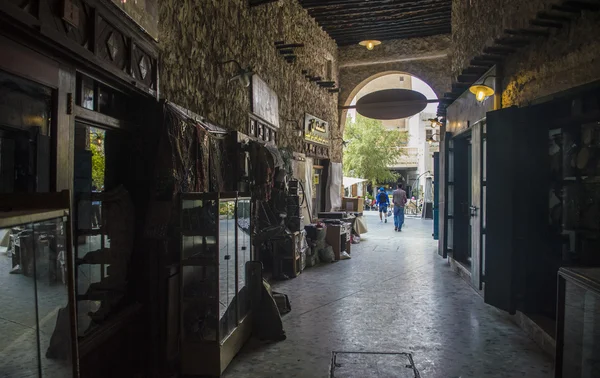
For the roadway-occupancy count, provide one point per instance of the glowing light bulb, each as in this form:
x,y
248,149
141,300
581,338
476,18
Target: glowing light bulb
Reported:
x,y
370,45
480,96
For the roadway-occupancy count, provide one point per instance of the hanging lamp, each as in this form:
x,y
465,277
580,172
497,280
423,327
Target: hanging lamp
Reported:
x,y
370,43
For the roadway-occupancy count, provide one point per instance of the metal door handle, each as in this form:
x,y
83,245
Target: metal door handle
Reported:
x,y
473,210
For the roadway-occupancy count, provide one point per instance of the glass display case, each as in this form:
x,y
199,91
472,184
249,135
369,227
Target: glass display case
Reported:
x,y
37,316
578,323
215,304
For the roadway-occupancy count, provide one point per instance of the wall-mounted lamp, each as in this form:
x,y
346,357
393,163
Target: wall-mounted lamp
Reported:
x,y
481,90
97,138
345,143
434,122
431,139
370,43
243,75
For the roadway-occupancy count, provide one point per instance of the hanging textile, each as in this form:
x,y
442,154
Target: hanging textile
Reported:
x,y
308,182
334,187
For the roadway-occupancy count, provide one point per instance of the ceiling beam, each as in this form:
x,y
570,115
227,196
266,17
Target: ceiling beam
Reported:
x,y
341,23
352,41
362,11
375,27
404,29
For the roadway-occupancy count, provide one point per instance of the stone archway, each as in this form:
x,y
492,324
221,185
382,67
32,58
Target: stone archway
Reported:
x,y
434,72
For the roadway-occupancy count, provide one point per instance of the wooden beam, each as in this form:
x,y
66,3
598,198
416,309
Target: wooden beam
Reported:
x,y
280,46
396,18
499,50
527,32
546,24
565,9
254,3
350,39
512,41
353,41
583,5
475,70
357,11
392,24
467,78
552,17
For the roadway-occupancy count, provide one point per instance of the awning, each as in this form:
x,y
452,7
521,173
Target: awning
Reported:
x,y
349,181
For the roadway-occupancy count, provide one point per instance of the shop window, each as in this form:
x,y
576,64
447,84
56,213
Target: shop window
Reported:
x,y
25,117
94,95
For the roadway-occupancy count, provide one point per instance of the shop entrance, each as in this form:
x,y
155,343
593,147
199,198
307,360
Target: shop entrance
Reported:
x,y
466,194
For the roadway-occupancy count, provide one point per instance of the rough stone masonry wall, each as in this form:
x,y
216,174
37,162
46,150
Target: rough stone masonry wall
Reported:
x,y
566,59
569,58
197,34
427,58
476,23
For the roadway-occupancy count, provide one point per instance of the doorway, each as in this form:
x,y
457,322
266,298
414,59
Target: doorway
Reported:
x,y
461,198
467,207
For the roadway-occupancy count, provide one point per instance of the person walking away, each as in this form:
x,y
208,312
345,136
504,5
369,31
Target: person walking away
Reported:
x,y
399,199
383,201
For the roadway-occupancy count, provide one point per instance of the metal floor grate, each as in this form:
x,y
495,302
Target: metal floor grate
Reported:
x,y
372,365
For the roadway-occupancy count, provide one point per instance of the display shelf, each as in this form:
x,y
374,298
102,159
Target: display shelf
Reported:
x,y
19,217
214,249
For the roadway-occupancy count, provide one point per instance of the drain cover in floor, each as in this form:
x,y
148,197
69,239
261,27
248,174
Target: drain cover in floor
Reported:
x,y
372,365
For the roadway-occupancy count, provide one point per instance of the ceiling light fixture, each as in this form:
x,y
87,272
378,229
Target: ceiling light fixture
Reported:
x,y
370,43
481,90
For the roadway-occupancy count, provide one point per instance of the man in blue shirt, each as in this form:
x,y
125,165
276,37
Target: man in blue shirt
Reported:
x,y
383,201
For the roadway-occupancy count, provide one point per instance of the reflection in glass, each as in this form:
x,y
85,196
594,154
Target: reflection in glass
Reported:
x,y
227,276
243,250
34,268
581,351
199,292
24,104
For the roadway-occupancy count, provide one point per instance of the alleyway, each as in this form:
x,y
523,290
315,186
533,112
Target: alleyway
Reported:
x,y
395,295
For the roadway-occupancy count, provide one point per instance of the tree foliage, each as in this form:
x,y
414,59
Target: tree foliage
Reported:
x,y
98,164
371,149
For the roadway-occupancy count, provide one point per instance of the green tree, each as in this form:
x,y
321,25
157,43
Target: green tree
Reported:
x,y
371,149
98,163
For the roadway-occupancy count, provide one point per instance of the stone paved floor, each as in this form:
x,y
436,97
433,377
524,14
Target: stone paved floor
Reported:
x,y
395,295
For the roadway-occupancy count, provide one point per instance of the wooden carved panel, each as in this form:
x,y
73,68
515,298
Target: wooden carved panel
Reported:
x,y
78,32
111,45
143,67
29,6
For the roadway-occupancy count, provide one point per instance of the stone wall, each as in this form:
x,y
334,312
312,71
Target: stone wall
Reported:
x,y
196,35
426,58
476,23
567,59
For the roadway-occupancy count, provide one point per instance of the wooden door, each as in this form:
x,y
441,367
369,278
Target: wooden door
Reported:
x,y
501,259
461,242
